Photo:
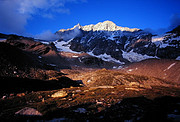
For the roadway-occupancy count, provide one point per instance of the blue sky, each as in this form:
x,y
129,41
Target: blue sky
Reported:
x,y
33,17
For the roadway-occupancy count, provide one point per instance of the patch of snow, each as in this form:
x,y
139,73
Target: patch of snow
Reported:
x,y
90,39
178,58
80,59
177,38
146,45
170,66
157,38
120,67
157,43
127,43
163,45
39,57
117,67
44,42
106,57
52,65
135,57
111,37
88,81
75,56
118,42
130,70
117,49
64,46
80,110
174,117
114,67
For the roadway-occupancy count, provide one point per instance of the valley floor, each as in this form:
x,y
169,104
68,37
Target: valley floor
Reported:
x,y
95,102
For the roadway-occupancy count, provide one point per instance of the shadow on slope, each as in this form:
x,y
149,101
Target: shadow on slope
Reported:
x,y
18,85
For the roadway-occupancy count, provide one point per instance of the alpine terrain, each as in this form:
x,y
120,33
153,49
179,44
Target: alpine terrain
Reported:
x,y
91,73
113,43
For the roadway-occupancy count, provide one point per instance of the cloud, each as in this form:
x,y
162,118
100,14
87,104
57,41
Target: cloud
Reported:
x,y
76,32
174,21
157,31
14,14
10,19
47,35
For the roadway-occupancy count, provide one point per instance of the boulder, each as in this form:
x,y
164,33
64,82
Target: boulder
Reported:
x,y
27,111
59,94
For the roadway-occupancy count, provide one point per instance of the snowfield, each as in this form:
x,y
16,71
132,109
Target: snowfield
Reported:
x,y
135,57
106,57
64,46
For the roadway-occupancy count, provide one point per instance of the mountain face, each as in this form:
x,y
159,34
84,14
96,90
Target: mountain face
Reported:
x,y
106,40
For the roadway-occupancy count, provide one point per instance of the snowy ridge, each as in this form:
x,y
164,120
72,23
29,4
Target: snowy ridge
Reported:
x,y
101,26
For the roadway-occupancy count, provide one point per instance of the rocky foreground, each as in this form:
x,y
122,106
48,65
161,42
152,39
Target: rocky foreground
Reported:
x,y
115,103
109,96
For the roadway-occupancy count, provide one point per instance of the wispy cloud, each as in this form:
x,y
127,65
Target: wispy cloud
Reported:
x,y
14,14
47,35
173,23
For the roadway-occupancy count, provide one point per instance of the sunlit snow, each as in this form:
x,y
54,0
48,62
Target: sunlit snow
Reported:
x,y
170,66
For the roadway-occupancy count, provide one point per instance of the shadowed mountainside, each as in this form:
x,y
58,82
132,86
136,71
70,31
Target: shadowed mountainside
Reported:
x,y
45,52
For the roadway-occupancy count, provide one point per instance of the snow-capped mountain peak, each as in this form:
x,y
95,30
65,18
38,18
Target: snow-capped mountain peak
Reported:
x,y
107,26
101,26
78,26
106,39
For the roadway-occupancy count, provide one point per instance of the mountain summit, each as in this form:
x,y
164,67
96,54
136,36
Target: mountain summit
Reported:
x,y
101,26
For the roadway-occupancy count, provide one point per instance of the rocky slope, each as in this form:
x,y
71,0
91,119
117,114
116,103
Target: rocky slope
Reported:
x,y
120,44
103,77
160,68
26,65
47,53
